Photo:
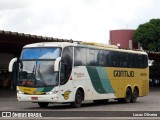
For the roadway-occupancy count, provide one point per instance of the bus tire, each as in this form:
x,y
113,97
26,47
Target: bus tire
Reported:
x,y
100,101
43,104
128,96
78,99
134,95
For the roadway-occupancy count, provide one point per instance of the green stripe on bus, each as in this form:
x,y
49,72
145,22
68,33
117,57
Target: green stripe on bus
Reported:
x,y
47,89
96,82
104,79
39,89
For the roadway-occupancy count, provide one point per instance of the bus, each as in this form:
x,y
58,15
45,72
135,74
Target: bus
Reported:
x,y
73,72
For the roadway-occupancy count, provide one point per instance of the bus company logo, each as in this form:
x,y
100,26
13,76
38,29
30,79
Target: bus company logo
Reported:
x,y
79,74
66,94
6,114
27,90
34,92
123,73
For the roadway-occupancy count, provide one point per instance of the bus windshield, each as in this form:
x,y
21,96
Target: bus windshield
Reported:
x,y
36,67
37,74
40,53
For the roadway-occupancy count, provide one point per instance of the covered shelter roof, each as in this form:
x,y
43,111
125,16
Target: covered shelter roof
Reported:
x,y
154,56
13,42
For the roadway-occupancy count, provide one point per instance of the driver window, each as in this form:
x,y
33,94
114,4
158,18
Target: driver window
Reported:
x,y
66,66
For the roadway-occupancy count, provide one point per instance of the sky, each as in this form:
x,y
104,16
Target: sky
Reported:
x,y
82,20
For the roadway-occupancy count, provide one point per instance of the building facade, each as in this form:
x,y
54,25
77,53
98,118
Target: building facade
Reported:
x,y
123,39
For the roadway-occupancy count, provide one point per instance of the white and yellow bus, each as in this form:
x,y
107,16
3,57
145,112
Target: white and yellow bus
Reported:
x,y
64,72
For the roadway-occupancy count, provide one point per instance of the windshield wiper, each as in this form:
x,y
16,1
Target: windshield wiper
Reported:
x,y
39,73
32,75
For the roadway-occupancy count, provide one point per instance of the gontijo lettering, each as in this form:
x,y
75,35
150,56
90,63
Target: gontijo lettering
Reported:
x,y
123,73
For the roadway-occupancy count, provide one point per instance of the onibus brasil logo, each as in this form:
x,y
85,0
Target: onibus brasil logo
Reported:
x,y
21,114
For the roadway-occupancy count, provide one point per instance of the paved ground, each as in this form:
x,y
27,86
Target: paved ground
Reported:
x,y
148,103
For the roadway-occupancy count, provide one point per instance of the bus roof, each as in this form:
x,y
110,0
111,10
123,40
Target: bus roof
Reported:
x,y
50,44
83,44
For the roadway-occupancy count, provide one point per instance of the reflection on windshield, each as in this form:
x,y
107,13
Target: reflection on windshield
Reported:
x,y
37,73
40,53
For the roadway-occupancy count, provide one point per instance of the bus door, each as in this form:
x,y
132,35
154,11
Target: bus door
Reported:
x,y
66,84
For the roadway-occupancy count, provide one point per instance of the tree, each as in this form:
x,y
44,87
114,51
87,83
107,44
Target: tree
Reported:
x,y
148,35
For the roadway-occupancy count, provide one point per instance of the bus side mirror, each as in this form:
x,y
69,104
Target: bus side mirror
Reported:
x,y
56,65
11,63
150,62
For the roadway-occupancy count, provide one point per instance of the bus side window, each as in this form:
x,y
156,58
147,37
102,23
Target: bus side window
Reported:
x,y
67,61
124,60
80,56
107,56
145,61
140,61
130,60
117,59
135,61
91,57
113,59
101,58
96,57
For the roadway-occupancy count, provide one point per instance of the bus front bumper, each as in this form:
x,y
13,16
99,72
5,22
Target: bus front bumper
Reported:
x,y
37,98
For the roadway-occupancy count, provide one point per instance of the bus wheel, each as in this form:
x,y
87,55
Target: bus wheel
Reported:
x,y
78,99
100,101
43,104
134,95
128,96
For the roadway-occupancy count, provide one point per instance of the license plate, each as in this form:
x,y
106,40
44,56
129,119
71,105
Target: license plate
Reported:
x,y
34,98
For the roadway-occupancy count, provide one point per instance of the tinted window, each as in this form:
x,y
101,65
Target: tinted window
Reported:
x,y
106,58
80,56
145,61
103,58
91,59
67,61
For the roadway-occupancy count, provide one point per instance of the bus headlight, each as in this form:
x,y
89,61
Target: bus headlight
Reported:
x,y
52,92
20,92
49,93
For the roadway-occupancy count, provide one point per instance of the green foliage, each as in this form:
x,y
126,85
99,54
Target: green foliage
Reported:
x,y
148,35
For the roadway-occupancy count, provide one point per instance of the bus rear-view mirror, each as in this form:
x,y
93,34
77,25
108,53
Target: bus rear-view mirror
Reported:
x,y
11,63
56,65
